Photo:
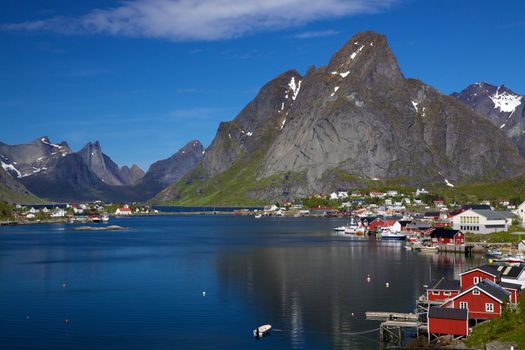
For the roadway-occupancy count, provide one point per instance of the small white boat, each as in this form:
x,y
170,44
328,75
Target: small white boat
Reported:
x,y
340,228
262,330
105,218
258,216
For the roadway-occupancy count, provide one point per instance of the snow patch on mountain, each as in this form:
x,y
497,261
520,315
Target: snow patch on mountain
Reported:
x,y
11,168
295,87
343,75
354,54
44,140
505,102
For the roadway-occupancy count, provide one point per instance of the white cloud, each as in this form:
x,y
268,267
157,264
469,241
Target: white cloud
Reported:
x,y
315,34
186,20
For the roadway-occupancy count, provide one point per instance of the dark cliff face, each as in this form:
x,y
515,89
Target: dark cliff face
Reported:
x,y
166,172
105,169
256,126
360,118
130,176
501,106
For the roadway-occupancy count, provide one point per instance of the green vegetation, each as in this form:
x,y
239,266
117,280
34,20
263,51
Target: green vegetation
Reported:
x,y
6,211
236,186
498,237
512,190
509,327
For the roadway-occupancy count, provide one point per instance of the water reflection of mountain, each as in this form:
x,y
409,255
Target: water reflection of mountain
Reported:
x,y
324,288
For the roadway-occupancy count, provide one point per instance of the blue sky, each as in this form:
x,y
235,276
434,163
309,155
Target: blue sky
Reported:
x,y
145,76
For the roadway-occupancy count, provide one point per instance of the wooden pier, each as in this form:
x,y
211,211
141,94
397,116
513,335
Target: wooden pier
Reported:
x,y
383,316
394,325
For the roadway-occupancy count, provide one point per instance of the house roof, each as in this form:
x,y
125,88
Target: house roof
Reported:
x,y
491,270
124,209
489,288
493,289
443,233
432,213
475,206
509,285
510,271
448,313
444,284
494,215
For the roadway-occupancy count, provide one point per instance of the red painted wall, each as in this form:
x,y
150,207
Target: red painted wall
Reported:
x,y
441,295
476,305
446,326
467,280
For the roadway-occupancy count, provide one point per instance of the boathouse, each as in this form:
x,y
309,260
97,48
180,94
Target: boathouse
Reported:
x,y
448,321
443,290
479,274
514,290
378,223
123,211
483,300
444,236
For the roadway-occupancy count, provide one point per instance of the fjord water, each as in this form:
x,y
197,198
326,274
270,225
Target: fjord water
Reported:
x,y
142,288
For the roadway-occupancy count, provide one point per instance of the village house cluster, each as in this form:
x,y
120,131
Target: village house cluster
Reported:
x,y
481,293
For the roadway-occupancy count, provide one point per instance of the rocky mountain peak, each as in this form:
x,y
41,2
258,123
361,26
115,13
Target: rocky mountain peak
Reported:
x,y
366,54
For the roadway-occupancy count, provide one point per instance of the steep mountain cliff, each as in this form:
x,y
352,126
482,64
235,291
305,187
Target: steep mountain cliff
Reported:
x,y
130,176
106,169
501,106
350,123
167,171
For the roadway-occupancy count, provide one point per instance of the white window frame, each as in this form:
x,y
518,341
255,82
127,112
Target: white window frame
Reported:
x,y
477,279
447,294
489,307
475,292
463,305
435,293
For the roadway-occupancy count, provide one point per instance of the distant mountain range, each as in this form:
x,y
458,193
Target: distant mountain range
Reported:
x,y
501,106
355,122
54,172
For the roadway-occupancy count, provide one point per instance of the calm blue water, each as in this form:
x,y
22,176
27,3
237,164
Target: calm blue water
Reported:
x,y
142,288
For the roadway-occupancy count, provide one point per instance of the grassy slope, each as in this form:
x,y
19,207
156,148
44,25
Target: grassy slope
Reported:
x,y
231,187
509,327
13,197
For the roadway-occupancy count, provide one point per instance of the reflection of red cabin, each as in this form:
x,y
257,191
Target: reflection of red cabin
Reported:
x,y
443,236
514,290
448,321
483,300
377,223
443,290
478,274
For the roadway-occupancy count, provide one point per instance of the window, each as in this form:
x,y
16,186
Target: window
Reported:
x,y
489,307
477,280
475,291
446,293
435,293
463,305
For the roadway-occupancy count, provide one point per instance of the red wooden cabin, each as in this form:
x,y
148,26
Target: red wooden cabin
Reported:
x,y
483,300
443,290
448,321
478,274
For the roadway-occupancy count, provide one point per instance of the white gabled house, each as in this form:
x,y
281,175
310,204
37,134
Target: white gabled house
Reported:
x,y
520,211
